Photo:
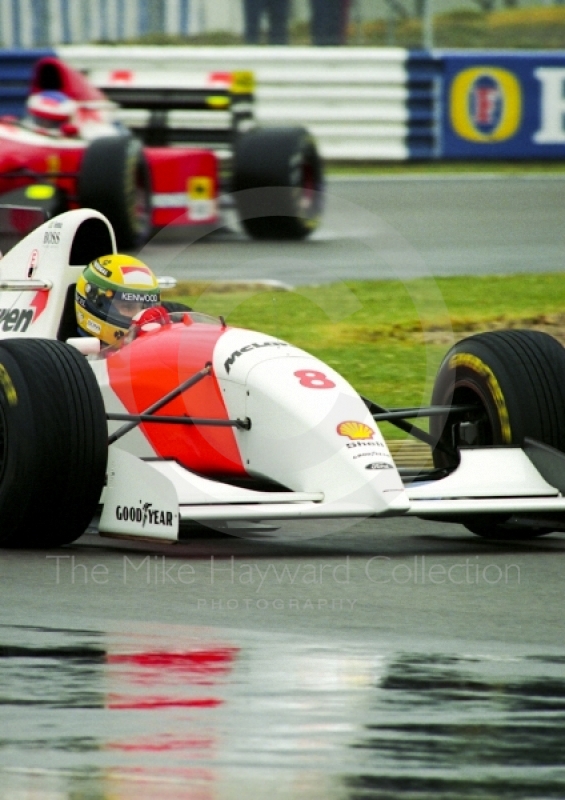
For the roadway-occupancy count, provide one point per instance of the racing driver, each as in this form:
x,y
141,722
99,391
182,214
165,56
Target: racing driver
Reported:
x,y
110,292
49,111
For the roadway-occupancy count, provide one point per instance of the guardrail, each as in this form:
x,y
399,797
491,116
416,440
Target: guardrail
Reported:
x,y
360,103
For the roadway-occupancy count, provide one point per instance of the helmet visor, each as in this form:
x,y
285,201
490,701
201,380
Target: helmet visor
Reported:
x,y
46,122
118,307
124,305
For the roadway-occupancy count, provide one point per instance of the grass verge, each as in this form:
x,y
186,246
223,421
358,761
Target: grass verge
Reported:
x,y
509,169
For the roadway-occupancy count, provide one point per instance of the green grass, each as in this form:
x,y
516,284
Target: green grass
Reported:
x,y
386,337
502,168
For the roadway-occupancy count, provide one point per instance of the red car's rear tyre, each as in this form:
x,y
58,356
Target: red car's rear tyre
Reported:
x,y
278,183
115,180
53,443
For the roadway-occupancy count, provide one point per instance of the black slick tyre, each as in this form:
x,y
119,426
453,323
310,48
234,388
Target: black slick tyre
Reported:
x,y
115,180
516,381
53,443
278,183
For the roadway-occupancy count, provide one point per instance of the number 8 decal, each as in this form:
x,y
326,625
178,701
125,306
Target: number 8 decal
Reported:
x,y
312,379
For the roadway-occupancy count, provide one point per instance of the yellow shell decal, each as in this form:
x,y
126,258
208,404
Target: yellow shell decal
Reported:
x,y
8,386
476,365
355,430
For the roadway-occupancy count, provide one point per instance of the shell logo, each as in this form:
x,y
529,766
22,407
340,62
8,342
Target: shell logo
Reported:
x,y
355,430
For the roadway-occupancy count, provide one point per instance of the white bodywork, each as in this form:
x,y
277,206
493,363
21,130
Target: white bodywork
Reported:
x,y
310,431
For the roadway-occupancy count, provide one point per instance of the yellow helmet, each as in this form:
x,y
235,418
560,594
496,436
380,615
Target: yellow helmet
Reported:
x,y
110,292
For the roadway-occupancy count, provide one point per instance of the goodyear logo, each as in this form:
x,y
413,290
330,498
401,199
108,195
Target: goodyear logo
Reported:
x,y
472,362
485,104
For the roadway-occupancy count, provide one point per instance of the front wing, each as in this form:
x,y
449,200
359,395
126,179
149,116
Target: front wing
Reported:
x,y
150,499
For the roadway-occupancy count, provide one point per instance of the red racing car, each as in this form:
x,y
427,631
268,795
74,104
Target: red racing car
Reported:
x,y
71,151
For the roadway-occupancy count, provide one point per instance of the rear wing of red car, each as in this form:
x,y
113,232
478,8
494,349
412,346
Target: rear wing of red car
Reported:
x,y
208,110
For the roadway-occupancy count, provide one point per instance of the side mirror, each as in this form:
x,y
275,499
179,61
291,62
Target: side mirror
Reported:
x,y
166,282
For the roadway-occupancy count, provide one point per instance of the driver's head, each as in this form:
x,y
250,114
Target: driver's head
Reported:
x,y
110,292
50,110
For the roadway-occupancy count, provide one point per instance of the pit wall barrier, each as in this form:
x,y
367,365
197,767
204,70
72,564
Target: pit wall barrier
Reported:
x,y
362,104
16,67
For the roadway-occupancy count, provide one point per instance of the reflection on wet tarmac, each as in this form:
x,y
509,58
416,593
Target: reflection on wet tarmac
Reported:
x,y
208,714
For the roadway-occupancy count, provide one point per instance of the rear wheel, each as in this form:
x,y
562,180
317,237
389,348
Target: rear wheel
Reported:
x,y
115,180
516,381
278,183
53,443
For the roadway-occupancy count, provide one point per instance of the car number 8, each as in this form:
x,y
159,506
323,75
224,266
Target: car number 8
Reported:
x,y
312,379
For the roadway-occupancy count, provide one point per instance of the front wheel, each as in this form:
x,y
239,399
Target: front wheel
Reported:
x,y
53,443
515,380
278,183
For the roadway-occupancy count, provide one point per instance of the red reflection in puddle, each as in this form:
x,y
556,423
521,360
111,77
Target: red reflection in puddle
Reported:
x,y
124,701
173,784
214,661
177,670
160,744
200,666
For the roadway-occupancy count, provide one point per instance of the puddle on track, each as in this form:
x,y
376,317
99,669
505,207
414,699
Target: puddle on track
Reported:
x,y
211,714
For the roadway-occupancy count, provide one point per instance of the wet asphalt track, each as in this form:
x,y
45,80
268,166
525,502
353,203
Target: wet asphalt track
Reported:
x,y
393,659
394,228
398,659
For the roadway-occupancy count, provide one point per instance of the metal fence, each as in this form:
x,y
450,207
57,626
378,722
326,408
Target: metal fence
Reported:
x,y
41,23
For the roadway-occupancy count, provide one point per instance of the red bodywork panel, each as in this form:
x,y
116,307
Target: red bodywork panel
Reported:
x,y
50,73
192,173
184,180
18,151
155,364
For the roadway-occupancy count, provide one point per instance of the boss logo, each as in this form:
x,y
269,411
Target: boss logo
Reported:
x,y
51,237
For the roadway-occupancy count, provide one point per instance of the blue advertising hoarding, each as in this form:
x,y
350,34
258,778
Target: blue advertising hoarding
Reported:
x,y
503,105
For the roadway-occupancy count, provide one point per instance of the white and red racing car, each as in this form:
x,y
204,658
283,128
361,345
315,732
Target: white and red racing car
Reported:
x,y
159,172
193,421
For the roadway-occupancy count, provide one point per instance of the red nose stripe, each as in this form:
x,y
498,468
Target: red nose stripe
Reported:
x,y
142,372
